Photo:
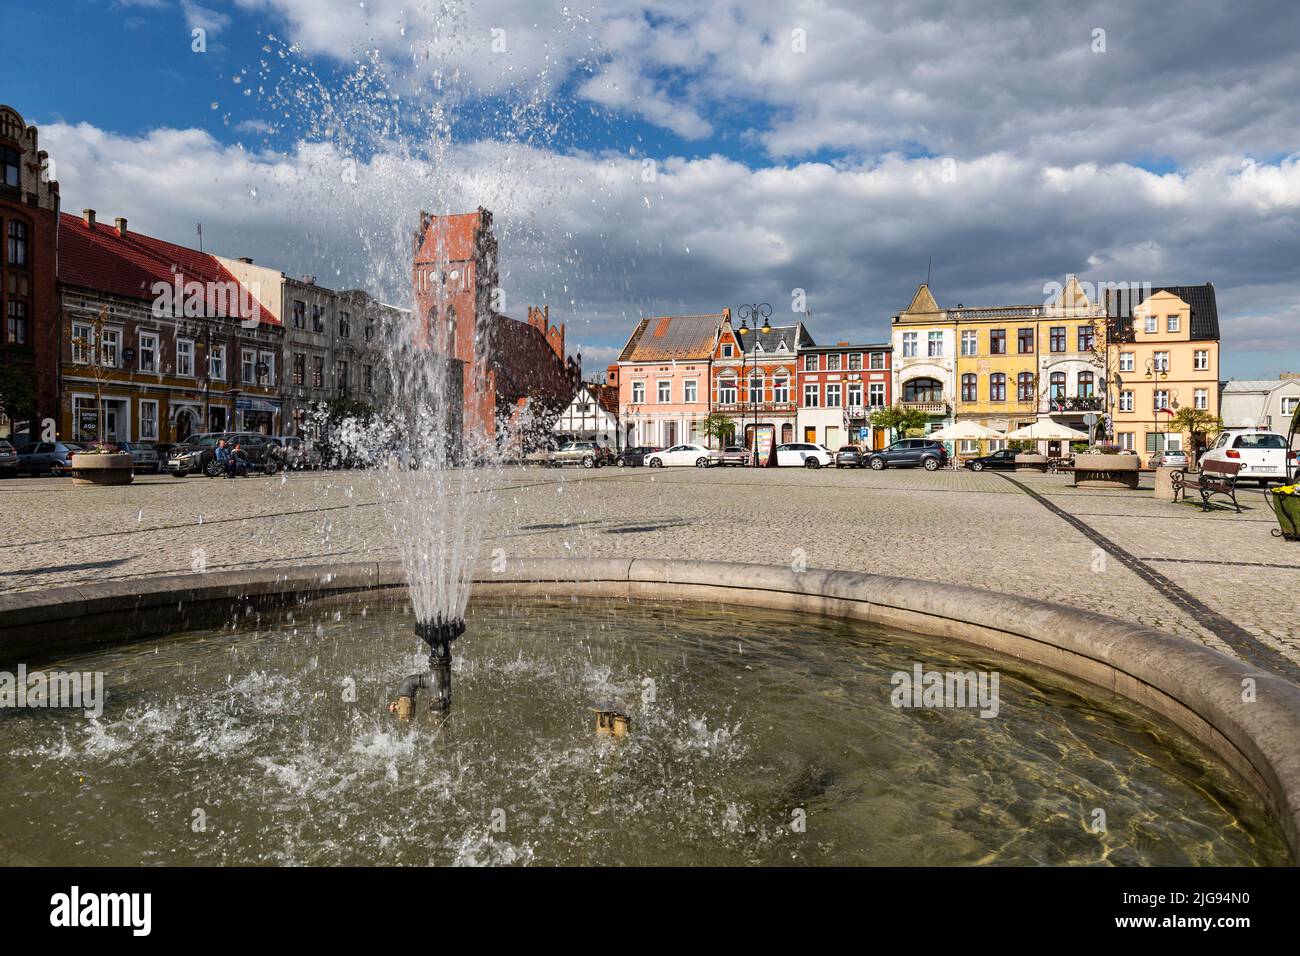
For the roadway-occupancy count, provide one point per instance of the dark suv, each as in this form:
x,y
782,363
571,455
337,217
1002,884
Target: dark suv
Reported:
x,y
929,453
198,455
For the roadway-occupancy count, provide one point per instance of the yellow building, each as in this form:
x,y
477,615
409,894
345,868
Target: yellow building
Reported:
x,y
1163,355
1018,363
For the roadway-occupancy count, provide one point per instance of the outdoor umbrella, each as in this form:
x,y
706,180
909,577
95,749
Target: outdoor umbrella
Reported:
x,y
965,431
1046,430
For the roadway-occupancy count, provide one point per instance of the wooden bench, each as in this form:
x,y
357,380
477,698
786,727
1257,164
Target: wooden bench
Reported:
x,y
1215,478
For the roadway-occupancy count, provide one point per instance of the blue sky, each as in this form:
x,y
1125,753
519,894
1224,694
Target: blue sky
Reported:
x,y
816,146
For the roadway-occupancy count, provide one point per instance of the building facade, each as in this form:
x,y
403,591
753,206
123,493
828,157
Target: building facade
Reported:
x,y
169,342
1269,403
591,415
663,378
1163,352
755,380
924,341
29,297
838,388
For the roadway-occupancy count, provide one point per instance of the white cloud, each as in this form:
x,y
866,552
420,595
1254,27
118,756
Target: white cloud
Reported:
x,y
201,17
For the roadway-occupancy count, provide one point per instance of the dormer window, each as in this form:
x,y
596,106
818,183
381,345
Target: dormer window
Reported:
x,y
726,350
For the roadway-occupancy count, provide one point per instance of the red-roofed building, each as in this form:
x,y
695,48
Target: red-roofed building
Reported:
x,y
185,347
510,368
29,298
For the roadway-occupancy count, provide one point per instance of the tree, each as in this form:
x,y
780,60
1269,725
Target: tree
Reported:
x,y
719,426
1196,422
902,420
17,395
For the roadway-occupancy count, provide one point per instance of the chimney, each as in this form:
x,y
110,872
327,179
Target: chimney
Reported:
x,y
310,280
89,216
246,260
841,345
121,226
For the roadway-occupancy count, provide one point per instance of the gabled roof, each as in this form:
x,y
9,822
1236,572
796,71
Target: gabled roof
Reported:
x,y
1258,384
794,336
1205,309
680,338
100,259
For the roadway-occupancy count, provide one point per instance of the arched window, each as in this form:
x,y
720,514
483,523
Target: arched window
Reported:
x,y
969,387
1025,387
997,387
923,390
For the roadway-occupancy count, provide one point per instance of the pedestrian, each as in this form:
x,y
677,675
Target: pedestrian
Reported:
x,y
222,456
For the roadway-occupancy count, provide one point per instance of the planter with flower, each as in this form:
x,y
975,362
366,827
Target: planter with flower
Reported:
x,y
1286,505
102,465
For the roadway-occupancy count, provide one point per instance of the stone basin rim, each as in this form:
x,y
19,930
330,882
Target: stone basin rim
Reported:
x,y
1198,688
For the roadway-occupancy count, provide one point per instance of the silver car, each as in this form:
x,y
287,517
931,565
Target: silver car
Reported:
x,y
143,455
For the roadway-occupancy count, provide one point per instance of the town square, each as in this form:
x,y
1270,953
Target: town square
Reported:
x,y
643,439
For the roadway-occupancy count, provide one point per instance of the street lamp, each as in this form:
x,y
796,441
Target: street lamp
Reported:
x,y
756,311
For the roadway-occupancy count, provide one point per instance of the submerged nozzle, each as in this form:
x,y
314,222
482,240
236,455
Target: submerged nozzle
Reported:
x,y
438,634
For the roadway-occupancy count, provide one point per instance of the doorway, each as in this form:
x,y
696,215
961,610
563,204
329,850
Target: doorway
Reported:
x,y
810,434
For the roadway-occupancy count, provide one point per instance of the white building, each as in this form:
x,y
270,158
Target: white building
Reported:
x,y
1263,403
925,359
591,415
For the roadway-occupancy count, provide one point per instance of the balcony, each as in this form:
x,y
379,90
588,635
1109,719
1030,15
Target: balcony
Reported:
x,y
1092,403
930,408
746,408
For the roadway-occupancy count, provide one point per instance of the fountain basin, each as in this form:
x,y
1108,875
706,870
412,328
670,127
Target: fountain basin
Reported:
x,y
1196,688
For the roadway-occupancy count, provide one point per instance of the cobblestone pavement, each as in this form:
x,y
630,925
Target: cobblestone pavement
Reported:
x,y
1218,578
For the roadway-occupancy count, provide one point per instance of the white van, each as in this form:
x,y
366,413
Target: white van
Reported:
x,y
1264,456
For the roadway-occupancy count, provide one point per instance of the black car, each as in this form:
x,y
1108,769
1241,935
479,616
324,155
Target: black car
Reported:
x,y
1004,459
850,456
635,456
929,453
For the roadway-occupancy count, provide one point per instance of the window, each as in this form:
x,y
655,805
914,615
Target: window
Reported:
x,y
909,345
691,391
185,357
341,378
1024,341
1201,397
1125,440
1201,360
638,393
1056,386
370,328
1025,387
1126,361
936,344
1155,441
247,363
665,393
266,375
811,395
345,325
1289,404
727,391
17,322
1173,441
923,390
1150,325
1086,338
83,340
317,318
833,395
997,387
148,351
998,341
148,420
9,162
299,368
855,395
318,371
1086,385
112,338
877,360
727,350
810,363
368,379
970,342
1058,338
855,361
755,388
876,394
1162,361
1126,401
969,387
217,363
1162,398
969,446
299,314
833,363
1171,323
781,389
17,242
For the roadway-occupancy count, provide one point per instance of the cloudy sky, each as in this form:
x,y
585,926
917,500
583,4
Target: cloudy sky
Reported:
x,y
684,156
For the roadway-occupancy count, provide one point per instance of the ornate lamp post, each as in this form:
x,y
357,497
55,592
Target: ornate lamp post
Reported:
x,y
756,311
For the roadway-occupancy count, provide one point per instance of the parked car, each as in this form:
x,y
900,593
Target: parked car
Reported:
x,y
143,454
1004,459
735,455
260,451
635,456
802,454
191,455
696,455
47,457
8,459
929,453
588,454
1264,455
1174,458
850,456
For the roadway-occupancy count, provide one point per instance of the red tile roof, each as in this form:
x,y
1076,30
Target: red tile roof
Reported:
x,y
100,259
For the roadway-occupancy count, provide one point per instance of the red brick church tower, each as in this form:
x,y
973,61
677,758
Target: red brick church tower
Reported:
x,y
508,365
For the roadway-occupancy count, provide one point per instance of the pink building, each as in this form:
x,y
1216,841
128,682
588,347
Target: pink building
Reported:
x,y
663,379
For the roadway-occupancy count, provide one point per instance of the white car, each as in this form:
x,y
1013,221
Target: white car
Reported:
x,y
1263,455
696,455
804,454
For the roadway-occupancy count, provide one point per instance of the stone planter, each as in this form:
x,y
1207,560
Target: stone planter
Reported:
x,y
1287,509
1106,471
103,469
1031,461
